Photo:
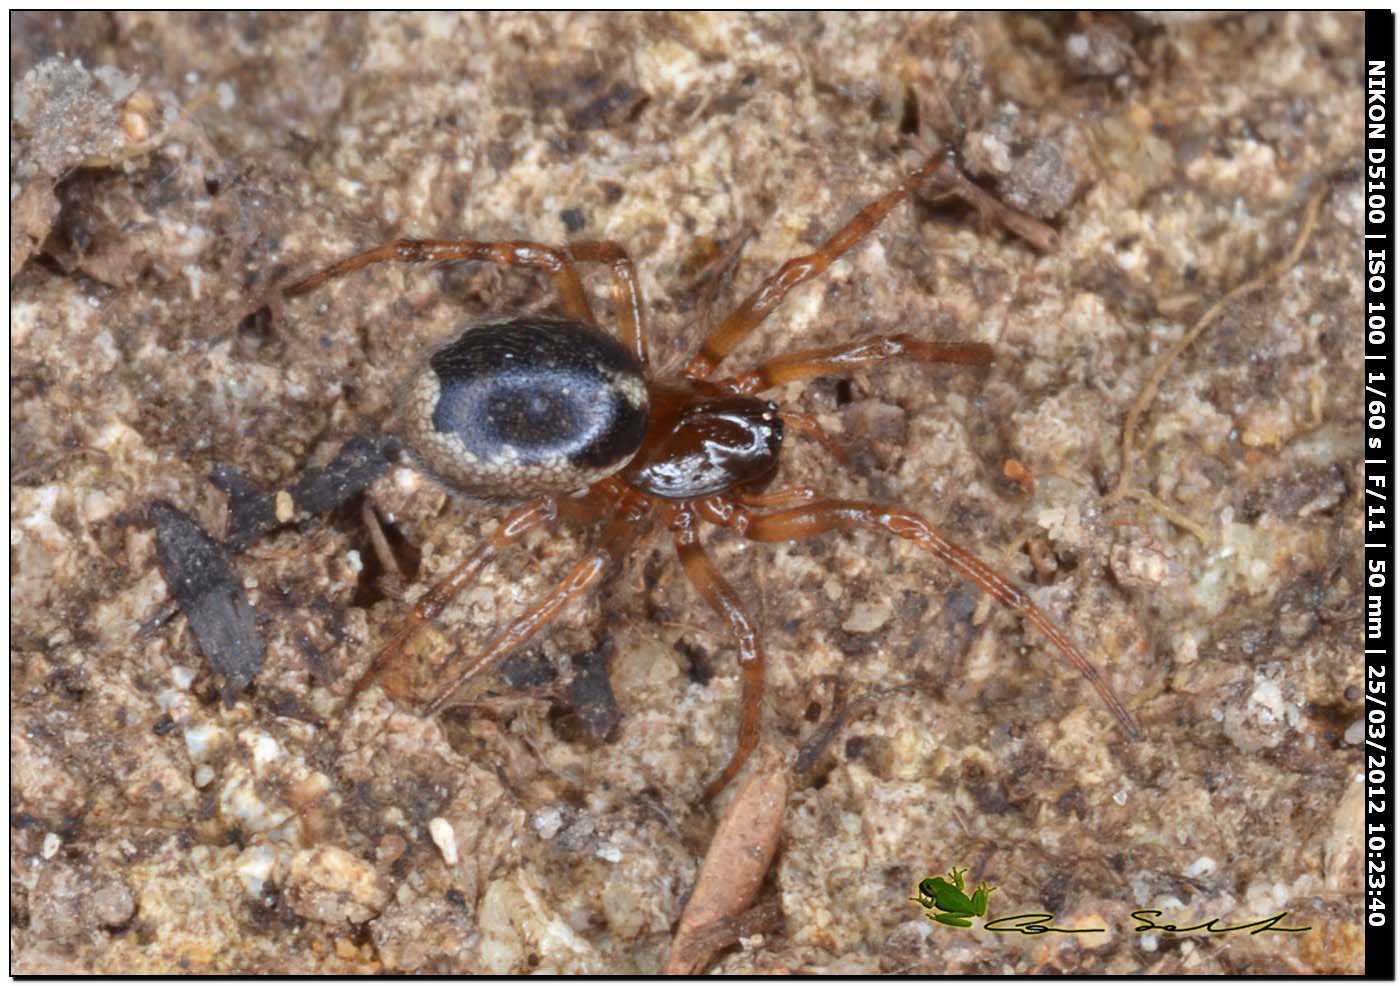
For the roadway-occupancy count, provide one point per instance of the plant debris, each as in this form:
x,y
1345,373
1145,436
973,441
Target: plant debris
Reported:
x,y
253,512
735,865
224,623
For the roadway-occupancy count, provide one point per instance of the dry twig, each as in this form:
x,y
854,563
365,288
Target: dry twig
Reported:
x,y
991,211
1154,381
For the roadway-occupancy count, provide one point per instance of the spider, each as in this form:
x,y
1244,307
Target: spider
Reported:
x,y
556,412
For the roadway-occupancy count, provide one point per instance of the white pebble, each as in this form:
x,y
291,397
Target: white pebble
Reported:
x,y
197,741
1201,867
445,839
255,867
284,508
239,801
51,844
203,774
867,617
548,822
265,749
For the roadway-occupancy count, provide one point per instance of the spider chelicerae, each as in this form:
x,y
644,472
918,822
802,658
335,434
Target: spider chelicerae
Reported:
x,y
557,413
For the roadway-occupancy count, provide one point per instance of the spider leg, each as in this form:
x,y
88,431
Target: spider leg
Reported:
x,y
839,515
726,602
593,506
380,543
872,351
627,290
509,253
586,573
723,339
513,527
776,498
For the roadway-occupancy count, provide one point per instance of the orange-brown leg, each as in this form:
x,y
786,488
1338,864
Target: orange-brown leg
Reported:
x,y
776,498
511,253
836,515
513,526
723,339
846,358
627,290
595,505
726,602
584,576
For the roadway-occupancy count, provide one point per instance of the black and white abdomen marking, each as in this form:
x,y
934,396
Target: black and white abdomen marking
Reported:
x,y
531,405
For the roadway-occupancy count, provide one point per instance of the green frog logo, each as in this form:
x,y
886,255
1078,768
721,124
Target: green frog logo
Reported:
x,y
948,903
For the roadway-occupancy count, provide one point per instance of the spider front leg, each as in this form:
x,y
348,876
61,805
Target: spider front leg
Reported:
x,y
726,602
627,290
508,253
841,515
723,339
846,358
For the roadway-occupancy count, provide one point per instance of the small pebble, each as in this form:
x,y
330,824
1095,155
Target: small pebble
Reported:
x,y
255,868
331,885
548,822
135,117
113,904
51,844
1201,867
445,839
867,617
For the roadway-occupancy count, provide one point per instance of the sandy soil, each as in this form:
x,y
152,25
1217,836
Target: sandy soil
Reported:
x,y
168,173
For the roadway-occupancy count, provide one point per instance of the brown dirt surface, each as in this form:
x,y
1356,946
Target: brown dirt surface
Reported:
x,y
171,171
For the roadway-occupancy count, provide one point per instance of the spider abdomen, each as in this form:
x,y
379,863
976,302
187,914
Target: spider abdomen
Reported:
x,y
526,406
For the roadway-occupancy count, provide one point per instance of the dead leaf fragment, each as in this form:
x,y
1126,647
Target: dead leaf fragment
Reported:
x,y
738,859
